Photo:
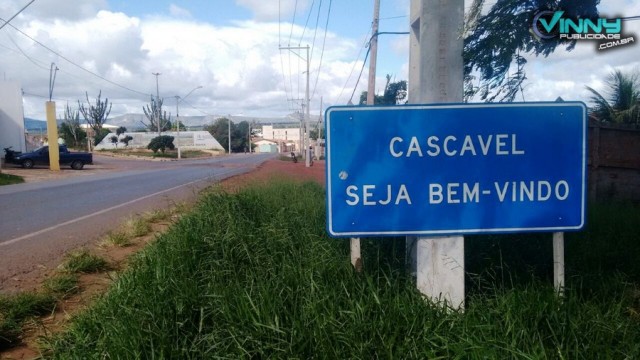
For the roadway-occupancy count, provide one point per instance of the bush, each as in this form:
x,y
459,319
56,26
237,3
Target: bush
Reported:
x,y
126,140
101,135
161,143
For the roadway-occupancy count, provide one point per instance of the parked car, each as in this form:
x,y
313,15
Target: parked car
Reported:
x,y
40,156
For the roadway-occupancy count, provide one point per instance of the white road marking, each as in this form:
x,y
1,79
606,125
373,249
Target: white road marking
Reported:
x,y
24,237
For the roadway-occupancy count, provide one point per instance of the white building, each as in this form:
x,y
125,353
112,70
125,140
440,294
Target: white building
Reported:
x,y
11,117
287,136
189,140
266,146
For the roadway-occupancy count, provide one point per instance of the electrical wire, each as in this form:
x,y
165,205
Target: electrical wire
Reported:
x,y
306,22
364,44
326,29
75,64
16,14
359,76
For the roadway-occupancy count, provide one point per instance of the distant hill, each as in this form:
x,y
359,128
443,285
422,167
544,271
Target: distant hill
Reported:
x,y
34,125
135,121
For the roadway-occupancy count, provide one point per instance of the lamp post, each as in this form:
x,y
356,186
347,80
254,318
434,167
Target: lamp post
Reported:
x,y
178,116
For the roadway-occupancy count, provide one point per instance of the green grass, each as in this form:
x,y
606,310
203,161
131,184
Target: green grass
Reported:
x,y
84,262
62,285
15,309
253,275
157,215
117,238
137,226
7,179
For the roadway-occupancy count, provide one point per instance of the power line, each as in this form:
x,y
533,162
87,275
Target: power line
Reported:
x,y
359,76
394,17
315,32
293,22
73,63
16,14
326,29
369,49
27,56
306,22
364,44
628,18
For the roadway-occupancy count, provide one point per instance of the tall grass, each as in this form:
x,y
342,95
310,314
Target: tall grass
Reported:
x,y
253,275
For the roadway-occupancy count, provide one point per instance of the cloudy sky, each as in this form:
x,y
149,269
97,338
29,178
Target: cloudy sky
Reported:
x,y
232,48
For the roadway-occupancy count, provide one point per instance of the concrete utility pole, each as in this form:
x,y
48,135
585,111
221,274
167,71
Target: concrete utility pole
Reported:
x,y
157,99
436,76
371,89
303,133
178,117
229,123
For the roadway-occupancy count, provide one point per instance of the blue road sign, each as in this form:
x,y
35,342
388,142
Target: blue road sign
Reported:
x,y
455,168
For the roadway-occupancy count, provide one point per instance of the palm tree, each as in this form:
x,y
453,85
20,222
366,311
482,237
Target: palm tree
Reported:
x,y
623,104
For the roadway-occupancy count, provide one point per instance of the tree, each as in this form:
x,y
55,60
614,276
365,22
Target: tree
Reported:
x,y
114,140
125,140
495,43
121,130
239,134
622,105
159,121
161,143
174,127
394,93
101,135
96,115
70,129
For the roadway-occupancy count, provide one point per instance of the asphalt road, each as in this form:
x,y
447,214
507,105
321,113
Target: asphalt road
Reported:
x,y
41,221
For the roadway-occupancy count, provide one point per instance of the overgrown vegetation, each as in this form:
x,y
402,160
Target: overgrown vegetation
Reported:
x,y
62,285
253,275
83,261
15,309
8,179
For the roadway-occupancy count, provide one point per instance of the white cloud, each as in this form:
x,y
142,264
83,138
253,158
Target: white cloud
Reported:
x,y
177,11
268,11
239,66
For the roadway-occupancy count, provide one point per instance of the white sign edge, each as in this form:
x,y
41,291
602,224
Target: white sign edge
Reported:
x,y
585,124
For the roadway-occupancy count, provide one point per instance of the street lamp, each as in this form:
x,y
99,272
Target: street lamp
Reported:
x,y
178,115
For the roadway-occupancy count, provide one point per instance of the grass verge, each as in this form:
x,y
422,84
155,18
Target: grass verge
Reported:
x,y
8,179
253,275
83,261
15,309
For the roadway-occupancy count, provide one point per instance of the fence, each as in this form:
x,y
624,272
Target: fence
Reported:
x,y
614,162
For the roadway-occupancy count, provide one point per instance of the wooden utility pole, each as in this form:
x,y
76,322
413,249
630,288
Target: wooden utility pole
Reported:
x,y
356,257
436,76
